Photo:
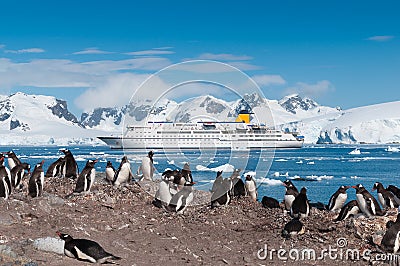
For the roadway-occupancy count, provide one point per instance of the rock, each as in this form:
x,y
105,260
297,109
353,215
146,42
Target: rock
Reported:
x,y
6,219
49,244
370,227
6,251
55,201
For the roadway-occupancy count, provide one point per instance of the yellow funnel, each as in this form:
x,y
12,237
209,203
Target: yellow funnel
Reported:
x,y
244,118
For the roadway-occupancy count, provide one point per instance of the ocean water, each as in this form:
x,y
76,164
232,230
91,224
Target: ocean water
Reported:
x,y
321,169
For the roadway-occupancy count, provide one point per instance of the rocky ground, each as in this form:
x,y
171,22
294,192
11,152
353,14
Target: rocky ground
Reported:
x,y
126,224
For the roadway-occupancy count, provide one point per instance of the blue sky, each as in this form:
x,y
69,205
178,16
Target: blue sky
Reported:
x,y
340,53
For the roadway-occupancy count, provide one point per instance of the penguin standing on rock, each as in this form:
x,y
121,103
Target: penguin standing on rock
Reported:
x,y
351,208
290,195
110,172
147,167
55,169
36,181
238,188
18,173
366,202
86,177
338,199
217,182
396,192
221,195
251,187
163,195
187,173
123,173
5,182
182,198
85,250
12,159
386,198
70,169
300,207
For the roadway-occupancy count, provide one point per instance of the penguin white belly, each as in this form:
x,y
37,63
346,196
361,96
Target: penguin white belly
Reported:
x,y
83,256
396,199
164,194
147,168
340,200
42,181
92,178
289,201
252,190
123,174
381,200
396,243
11,163
363,205
353,211
6,191
110,174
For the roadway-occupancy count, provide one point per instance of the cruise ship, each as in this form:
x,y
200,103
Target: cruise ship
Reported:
x,y
238,135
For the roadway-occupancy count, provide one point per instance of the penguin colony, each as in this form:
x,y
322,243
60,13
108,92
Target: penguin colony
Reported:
x,y
175,194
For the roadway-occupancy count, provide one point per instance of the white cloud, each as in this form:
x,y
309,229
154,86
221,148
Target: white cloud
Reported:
x,y
380,38
224,57
265,80
311,90
155,51
24,51
92,50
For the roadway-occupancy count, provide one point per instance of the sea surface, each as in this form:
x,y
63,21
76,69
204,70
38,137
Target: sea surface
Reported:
x,y
319,168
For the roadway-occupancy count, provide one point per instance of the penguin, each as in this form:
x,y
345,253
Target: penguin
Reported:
x,y
391,239
351,208
338,199
251,187
18,173
217,182
386,198
110,172
169,174
366,202
182,199
86,177
163,195
293,227
187,173
70,169
5,182
85,250
55,169
268,202
147,167
396,192
238,187
12,159
36,181
221,196
123,173
290,195
300,207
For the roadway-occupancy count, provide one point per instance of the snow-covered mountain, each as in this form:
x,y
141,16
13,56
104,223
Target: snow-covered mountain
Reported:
x,y
38,119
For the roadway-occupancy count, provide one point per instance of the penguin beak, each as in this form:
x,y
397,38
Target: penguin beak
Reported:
x,y
347,187
354,186
58,233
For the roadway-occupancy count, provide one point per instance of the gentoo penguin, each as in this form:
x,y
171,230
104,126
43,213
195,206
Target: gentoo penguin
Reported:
x,y
251,187
55,169
290,195
293,227
366,202
110,172
221,195
36,181
85,250
386,198
338,199
300,207
182,198
396,192
123,173
18,172
86,177
268,202
391,239
70,169
147,167
187,173
12,159
163,195
217,182
351,208
238,187
5,182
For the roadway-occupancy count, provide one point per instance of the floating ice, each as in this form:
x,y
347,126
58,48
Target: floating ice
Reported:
x,y
311,162
251,173
226,168
268,181
281,160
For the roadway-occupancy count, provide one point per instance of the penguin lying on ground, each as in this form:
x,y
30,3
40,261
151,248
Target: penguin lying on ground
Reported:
x,y
36,181
366,202
338,199
350,209
290,195
85,250
385,197
293,227
86,177
300,207
268,202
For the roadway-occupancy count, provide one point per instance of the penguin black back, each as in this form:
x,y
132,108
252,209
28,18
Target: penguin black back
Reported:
x,y
268,202
71,167
36,181
300,206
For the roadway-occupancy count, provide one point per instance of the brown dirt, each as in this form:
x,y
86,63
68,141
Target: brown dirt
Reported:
x,y
126,224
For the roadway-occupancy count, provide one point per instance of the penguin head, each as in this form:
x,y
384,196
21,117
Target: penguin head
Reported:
x,y
358,187
343,189
248,177
124,159
219,173
376,186
303,191
150,154
65,151
186,167
91,163
288,184
64,237
10,154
